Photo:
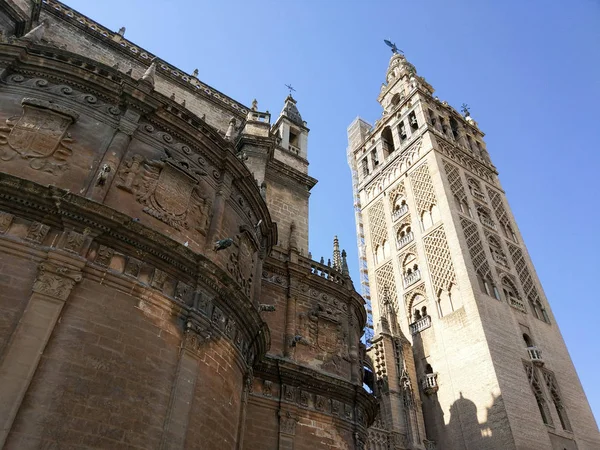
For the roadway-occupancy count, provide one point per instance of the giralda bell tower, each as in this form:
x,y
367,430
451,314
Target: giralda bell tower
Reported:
x,y
437,236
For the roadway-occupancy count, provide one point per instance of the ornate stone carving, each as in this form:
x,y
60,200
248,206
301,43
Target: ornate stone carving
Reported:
x,y
158,280
267,387
348,411
183,292
289,393
104,256
39,136
169,190
74,241
37,232
132,267
335,407
303,398
287,423
55,281
5,221
320,403
321,328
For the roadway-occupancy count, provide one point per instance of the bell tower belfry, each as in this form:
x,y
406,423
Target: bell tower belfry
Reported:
x,y
440,247
277,156
292,130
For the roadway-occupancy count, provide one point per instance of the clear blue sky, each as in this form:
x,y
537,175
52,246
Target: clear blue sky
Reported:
x,y
529,70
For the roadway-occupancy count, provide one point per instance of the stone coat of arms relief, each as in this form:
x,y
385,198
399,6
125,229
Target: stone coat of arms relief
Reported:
x,y
170,191
322,330
39,135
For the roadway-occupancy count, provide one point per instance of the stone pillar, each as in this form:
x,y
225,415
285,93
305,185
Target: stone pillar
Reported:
x,y
290,320
108,167
56,278
244,407
182,394
287,429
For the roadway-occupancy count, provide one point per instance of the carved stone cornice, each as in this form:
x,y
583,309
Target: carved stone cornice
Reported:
x,y
279,171
114,232
306,388
55,281
56,72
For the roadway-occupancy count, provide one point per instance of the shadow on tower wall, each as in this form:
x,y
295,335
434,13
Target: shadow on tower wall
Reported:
x,y
460,427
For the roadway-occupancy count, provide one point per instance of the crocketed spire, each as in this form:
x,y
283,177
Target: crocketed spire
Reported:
x,y
291,111
337,256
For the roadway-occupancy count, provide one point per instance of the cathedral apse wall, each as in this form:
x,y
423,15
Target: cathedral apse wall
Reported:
x,y
122,327
124,324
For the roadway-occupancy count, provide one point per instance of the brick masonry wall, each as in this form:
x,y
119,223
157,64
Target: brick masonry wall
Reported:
x,y
105,378
286,207
215,413
16,277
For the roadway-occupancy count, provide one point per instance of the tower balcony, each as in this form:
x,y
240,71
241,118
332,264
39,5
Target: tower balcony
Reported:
x,y
478,194
412,278
420,325
516,303
429,383
397,213
535,354
295,150
405,240
500,258
487,222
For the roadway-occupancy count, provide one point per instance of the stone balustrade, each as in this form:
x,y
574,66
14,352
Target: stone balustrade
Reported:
x,y
412,278
422,324
404,240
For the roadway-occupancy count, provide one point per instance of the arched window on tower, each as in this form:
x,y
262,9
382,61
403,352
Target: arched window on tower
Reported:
x,y
496,250
412,120
508,232
475,189
402,131
538,393
487,285
404,236
454,127
385,249
430,217
400,207
410,270
463,207
511,293
387,141
552,386
448,300
395,101
485,217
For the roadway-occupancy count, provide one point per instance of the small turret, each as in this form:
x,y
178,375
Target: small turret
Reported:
x,y
291,129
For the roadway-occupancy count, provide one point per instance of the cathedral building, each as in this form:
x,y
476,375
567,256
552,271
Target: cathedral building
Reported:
x,y
157,291
452,290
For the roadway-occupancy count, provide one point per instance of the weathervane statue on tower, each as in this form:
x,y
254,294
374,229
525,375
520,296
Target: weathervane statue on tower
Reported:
x,y
390,44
